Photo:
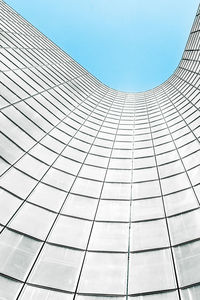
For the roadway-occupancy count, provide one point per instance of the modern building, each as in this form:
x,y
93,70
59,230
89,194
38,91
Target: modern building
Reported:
x,y
100,189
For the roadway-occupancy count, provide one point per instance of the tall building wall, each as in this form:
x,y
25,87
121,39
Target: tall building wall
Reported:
x,y
100,189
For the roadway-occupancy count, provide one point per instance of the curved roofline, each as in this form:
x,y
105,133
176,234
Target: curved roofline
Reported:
x,y
120,91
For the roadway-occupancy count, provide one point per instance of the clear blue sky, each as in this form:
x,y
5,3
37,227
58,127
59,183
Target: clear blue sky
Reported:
x,y
130,45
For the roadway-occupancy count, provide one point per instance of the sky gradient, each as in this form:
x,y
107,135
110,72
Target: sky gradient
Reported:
x,y
130,45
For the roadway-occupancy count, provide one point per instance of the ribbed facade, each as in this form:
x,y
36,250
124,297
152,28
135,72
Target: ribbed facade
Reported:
x,y
100,189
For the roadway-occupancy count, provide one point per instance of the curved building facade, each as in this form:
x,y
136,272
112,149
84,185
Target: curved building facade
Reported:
x,y
100,189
